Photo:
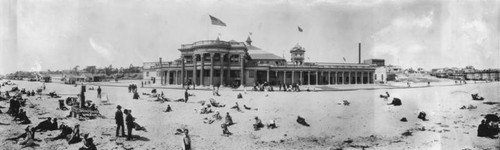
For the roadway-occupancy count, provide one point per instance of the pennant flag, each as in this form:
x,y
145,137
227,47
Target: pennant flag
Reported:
x,y
216,21
344,59
300,29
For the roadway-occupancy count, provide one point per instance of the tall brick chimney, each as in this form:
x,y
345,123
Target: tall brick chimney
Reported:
x,y
359,46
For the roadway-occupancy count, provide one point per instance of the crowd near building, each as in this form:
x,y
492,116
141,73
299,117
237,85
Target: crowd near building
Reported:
x,y
232,63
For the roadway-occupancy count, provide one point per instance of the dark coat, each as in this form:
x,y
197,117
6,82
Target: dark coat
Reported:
x,y
119,117
130,120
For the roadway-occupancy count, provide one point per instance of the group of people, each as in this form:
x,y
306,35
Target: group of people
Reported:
x,y
15,110
132,88
488,128
294,87
129,121
27,92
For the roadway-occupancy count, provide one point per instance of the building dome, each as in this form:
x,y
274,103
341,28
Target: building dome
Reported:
x,y
298,48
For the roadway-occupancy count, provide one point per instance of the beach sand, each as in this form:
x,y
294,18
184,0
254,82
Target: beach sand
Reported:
x,y
368,122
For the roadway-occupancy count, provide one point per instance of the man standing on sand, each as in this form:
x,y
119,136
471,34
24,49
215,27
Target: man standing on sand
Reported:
x,y
99,92
186,140
186,96
130,124
119,121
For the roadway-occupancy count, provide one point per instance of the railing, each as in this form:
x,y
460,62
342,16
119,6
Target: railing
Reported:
x,y
206,42
305,66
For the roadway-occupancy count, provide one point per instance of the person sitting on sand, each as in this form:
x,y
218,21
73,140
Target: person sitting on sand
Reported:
x,y
24,119
237,107
62,106
93,107
229,120
169,109
29,140
75,136
272,124
217,116
65,132
476,97
88,144
44,125
19,115
258,124
302,121
396,102
385,96
215,104
186,140
136,95
22,136
225,130
54,124
239,96
482,129
206,109
422,116
246,107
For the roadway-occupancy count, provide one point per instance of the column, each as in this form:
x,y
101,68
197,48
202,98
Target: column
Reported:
x,y
168,78
242,75
194,71
350,78
356,77
211,69
267,75
202,70
182,71
343,77
336,76
317,77
329,78
362,80
284,77
228,67
309,78
293,78
371,78
221,74
175,77
301,79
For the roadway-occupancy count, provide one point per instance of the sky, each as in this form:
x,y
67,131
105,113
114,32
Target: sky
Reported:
x,y
60,34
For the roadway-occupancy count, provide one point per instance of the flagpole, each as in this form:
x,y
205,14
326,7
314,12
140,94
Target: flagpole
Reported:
x,y
208,28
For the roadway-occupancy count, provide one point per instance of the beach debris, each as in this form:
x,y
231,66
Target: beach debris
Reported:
x,y
477,97
468,107
302,121
395,102
346,103
403,119
422,115
407,133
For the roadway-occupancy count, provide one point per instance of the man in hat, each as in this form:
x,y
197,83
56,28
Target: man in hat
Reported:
x,y
186,140
119,120
130,123
99,90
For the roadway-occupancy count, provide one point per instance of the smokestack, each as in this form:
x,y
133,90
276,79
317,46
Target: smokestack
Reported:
x,y
160,63
359,46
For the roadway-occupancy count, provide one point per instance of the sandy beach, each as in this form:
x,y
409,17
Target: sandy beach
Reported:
x,y
368,122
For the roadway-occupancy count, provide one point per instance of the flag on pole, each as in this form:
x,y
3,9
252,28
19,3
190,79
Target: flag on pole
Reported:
x,y
216,21
300,29
344,59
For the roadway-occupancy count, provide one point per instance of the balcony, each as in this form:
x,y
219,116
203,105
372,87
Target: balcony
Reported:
x,y
207,43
